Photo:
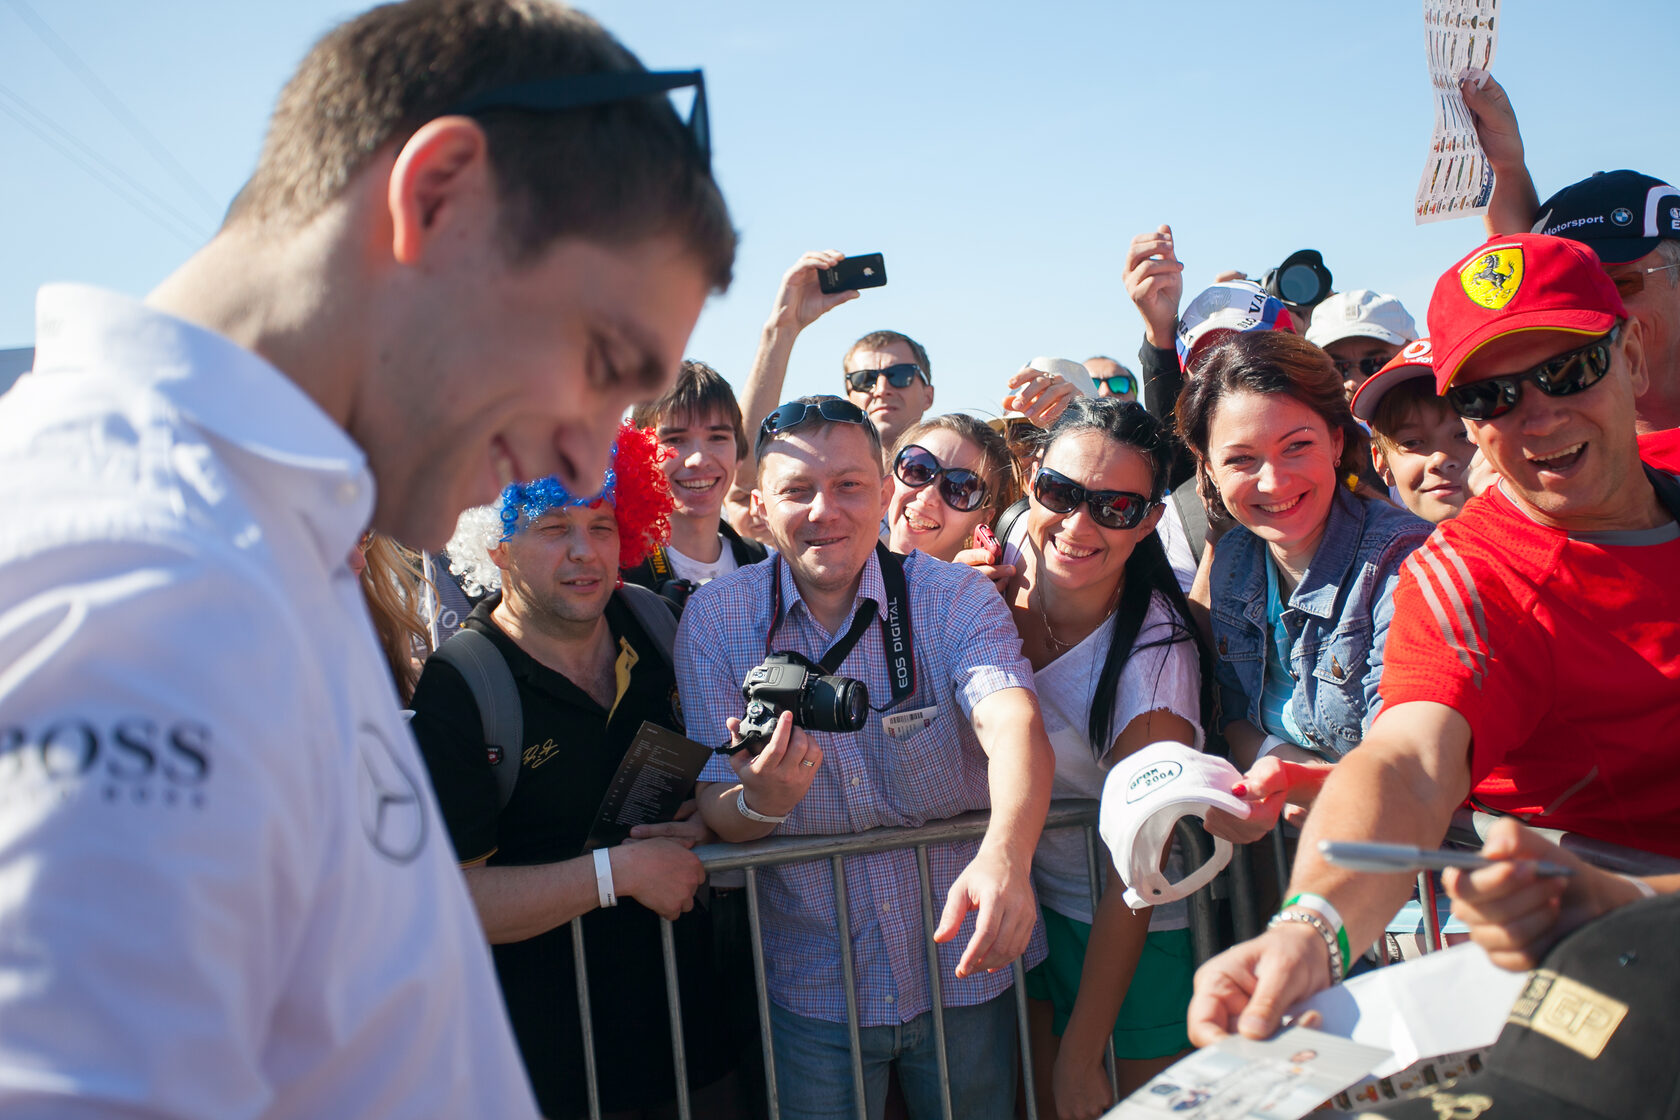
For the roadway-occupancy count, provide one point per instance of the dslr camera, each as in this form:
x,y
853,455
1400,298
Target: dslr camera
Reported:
x,y
791,682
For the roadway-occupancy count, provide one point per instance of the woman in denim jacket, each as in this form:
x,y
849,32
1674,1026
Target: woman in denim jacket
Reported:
x,y
1302,587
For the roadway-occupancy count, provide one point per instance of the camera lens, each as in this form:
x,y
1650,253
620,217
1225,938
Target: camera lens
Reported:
x,y
1299,284
834,704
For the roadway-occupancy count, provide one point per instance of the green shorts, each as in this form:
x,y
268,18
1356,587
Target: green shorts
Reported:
x,y
1152,1018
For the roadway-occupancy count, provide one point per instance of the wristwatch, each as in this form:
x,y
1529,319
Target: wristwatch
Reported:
x,y
742,808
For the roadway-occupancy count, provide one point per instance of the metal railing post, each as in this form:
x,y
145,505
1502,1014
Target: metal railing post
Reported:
x,y
1028,1090
848,974
1094,880
673,1001
936,992
1431,918
771,1100
1204,930
591,1077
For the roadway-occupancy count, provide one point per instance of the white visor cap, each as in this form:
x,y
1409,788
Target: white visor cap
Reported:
x,y
1144,796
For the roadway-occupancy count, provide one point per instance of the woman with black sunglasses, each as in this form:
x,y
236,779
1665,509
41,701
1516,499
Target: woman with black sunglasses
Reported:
x,y
1302,589
1117,666
951,475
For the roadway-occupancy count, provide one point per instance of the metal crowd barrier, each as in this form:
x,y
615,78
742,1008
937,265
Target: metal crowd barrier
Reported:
x,y
775,851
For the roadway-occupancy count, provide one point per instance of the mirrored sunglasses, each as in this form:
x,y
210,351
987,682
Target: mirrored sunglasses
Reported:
x,y
1120,384
898,376
962,490
794,413
1562,376
1112,509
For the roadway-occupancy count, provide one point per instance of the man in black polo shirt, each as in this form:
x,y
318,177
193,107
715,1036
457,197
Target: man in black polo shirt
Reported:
x,y
587,675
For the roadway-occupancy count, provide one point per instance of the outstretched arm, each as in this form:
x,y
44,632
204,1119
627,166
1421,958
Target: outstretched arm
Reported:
x,y
1515,203
1400,786
998,882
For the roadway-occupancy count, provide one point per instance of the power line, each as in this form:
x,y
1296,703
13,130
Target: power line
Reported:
x,y
112,102
100,169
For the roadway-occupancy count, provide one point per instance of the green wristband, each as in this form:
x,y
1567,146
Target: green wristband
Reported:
x,y
1320,905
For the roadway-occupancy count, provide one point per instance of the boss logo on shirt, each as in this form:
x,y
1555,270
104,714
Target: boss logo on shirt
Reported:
x,y
1147,780
135,760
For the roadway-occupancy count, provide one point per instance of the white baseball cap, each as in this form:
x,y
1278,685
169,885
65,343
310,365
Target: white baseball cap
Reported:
x,y
1229,307
1144,796
1361,313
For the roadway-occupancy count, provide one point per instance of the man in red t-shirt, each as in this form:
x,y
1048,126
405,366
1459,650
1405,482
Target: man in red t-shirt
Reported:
x,y
1534,659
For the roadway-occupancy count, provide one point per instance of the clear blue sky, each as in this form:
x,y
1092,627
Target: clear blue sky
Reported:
x,y
1000,155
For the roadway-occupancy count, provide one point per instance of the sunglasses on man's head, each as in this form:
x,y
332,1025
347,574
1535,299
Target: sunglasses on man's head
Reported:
x,y
1112,509
794,413
1561,376
962,490
1365,366
583,91
898,376
1120,384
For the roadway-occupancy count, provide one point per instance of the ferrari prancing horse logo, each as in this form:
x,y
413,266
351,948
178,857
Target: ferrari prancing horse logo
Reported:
x,y
1493,277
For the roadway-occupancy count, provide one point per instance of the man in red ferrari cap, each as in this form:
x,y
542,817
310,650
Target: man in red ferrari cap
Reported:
x,y
1533,665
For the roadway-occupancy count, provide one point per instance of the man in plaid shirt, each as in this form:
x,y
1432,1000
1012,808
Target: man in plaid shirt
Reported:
x,y
968,735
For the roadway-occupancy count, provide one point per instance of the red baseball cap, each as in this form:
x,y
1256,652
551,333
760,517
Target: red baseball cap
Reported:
x,y
1523,282
1416,359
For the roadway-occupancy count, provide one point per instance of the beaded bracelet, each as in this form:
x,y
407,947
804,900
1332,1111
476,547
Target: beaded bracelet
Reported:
x,y
1324,931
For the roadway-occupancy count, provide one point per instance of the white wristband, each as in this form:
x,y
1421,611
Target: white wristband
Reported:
x,y
1645,888
1321,905
742,808
603,878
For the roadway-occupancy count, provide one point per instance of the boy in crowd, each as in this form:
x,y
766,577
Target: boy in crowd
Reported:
x,y
699,423
1419,445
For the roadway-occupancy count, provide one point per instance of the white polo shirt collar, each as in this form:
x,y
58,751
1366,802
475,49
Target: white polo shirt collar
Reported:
x,y
224,389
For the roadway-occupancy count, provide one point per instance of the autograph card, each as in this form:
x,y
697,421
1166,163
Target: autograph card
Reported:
x,y
1284,1077
1459,35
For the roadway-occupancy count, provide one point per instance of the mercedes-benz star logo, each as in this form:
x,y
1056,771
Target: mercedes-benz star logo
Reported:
x,y
392,808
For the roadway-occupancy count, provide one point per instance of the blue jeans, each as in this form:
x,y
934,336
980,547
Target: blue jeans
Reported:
x,y
814,1063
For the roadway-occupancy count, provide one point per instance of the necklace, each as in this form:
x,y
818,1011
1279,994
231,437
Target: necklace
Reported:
x,y
1057,645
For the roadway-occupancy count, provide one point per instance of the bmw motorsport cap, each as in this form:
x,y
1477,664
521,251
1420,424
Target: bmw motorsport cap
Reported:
x,y
1620,215
1144,796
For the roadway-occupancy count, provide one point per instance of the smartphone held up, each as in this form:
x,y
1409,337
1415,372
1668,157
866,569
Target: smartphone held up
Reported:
x,y
853,274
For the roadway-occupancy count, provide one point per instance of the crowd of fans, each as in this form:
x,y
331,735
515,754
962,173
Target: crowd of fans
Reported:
x,y
1388,576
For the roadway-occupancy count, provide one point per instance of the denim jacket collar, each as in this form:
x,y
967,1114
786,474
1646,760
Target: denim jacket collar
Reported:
x,y
1321,583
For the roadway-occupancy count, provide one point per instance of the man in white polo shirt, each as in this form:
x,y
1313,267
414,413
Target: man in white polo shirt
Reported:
x,y
225,890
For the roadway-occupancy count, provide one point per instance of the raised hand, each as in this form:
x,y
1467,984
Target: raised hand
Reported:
x,y
1155,283
800,301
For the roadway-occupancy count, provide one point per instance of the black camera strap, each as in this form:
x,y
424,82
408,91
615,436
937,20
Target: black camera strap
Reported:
x,y
895,625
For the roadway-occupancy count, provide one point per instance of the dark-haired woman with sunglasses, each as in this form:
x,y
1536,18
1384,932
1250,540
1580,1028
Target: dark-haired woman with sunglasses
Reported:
x,y
1117,666
951,474
1302,589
